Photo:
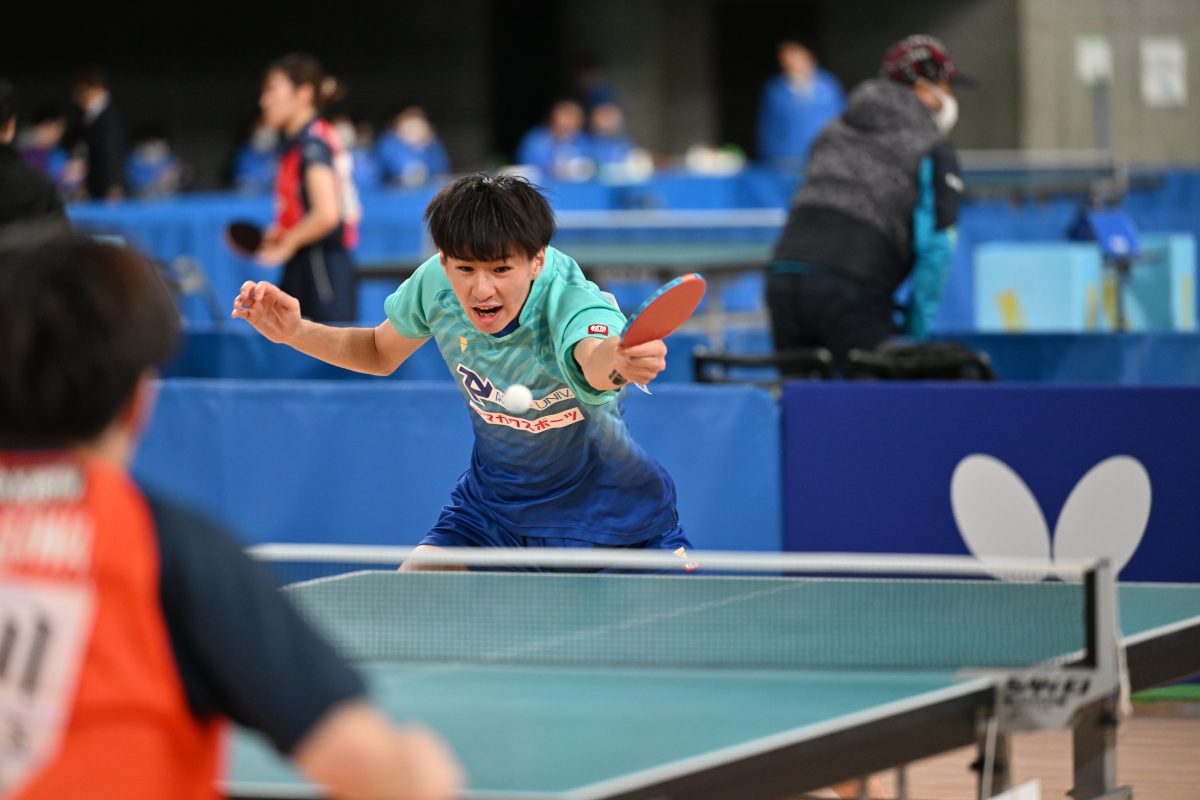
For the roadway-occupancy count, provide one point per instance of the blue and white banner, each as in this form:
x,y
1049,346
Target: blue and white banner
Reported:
x,y
996,470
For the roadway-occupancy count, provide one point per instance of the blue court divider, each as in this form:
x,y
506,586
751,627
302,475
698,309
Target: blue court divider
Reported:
x,y
373,463
391,230
372,293
1169,208
236,351
1066,287
1151,359
868,468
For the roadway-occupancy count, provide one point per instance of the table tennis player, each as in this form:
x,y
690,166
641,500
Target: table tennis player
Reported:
x,y
132,630
505,309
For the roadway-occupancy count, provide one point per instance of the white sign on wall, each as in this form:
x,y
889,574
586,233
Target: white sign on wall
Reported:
x,y
1093,60
1164,72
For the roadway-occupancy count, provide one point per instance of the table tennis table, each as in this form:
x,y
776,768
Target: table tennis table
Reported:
x,y
631,686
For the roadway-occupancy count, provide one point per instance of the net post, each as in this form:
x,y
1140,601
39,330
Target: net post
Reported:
x,y
1094,730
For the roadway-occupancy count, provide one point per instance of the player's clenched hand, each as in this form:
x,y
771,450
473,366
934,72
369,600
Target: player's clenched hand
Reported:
x,y
273,312
641,363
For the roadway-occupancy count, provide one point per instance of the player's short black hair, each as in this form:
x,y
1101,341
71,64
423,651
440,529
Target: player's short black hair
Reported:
x,y
483,217
8,101
80,322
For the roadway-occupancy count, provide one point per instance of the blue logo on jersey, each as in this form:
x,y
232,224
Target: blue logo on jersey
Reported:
x,y
479,387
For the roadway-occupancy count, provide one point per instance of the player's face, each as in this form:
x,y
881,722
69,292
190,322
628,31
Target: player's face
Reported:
x,y
493,292
280,100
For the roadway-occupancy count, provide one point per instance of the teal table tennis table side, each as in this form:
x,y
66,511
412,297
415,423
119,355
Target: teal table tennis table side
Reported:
x,y
575,687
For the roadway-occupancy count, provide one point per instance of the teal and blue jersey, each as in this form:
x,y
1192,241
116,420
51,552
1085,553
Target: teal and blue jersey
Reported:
x,y
568,467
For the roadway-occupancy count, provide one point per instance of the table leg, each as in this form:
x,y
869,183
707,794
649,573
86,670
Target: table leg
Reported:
x,y
995,756
1094,740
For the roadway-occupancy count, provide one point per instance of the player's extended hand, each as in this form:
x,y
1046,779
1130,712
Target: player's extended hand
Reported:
x,y
429,769
273,312
641,363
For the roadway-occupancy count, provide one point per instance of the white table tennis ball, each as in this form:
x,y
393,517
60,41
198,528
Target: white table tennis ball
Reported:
x,y
518,398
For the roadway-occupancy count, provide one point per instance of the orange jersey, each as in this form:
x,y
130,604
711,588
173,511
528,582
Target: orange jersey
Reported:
x,y
91,701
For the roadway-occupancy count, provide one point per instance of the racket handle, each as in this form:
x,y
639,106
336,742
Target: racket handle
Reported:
x,y
642,387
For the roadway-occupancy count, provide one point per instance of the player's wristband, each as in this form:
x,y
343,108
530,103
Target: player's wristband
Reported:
x,y
617,378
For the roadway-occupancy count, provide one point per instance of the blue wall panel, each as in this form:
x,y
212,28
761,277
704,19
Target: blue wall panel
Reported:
x,y
373,462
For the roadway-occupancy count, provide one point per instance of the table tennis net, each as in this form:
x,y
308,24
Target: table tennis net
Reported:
x,y
734,611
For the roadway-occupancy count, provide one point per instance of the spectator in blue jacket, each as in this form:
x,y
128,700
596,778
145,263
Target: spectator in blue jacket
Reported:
x,y
559,149
796,104
152,170
609,143
409,153
257,160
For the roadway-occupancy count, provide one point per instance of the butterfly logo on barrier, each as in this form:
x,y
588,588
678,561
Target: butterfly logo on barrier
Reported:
x,y
1104,516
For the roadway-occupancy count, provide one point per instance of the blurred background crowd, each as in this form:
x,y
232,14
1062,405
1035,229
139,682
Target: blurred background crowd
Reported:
x,y
86,147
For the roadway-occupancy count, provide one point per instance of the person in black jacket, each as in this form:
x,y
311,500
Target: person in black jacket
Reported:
x,y
25,193
877,208
104,135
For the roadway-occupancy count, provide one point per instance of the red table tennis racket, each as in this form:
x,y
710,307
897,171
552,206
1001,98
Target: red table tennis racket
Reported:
x,y
244,237
663,312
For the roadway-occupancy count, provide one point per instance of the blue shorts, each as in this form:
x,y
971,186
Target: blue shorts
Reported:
x,y
459,527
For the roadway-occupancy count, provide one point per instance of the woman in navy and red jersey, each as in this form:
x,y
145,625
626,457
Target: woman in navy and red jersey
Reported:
x,y
317,209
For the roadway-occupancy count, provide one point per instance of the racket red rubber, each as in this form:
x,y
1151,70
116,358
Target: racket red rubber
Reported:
x,y
663,312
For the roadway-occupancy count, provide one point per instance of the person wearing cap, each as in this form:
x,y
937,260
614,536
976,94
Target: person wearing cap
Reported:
x,y
876,208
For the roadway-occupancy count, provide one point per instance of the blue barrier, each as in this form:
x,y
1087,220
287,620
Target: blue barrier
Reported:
x,y
392,231
863,467
373,463
236,351
869,468
1069,287
1174,207
1155,359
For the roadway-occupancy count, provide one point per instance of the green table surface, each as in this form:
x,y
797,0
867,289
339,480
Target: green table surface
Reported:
x,y
571,730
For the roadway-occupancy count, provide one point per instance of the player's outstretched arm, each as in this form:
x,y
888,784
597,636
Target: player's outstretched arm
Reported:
x,y
356,753
606,365
276,315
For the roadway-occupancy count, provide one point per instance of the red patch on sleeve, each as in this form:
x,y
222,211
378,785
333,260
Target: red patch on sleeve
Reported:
x,y
601,329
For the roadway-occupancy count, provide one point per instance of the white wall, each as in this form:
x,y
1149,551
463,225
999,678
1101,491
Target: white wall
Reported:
x,y
1058,107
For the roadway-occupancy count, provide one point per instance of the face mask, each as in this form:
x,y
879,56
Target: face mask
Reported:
x,y
945,117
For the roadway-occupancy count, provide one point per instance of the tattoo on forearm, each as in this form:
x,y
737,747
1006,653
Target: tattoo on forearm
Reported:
x,y
617,378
